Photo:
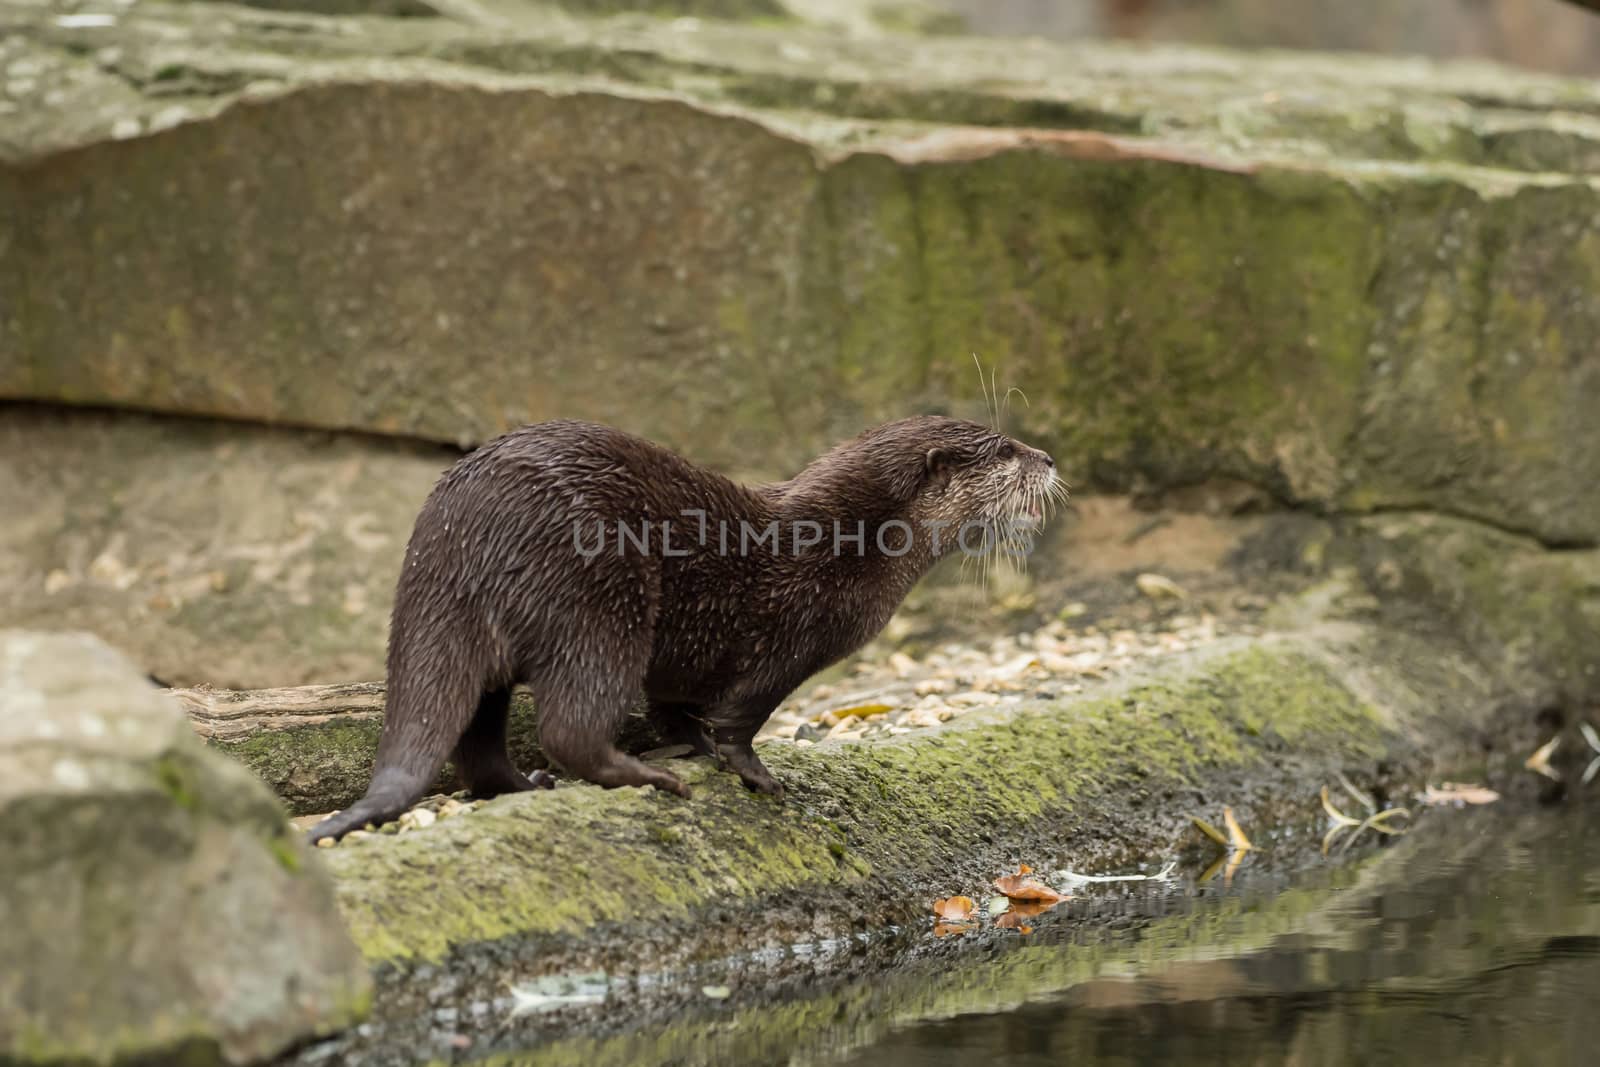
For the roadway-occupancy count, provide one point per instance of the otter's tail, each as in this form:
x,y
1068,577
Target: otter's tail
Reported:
x,y
425,715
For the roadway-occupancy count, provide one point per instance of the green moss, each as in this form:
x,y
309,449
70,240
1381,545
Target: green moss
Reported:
x,y
314,768
323,766
1531,614
286,851
915,804
174,781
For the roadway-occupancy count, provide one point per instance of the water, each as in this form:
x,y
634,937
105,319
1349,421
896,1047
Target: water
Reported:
x,y
1479,945
1475,940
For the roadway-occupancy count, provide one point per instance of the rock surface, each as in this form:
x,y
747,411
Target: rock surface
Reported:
x,y
867,826
155,905
232,555
1387,689
1359,283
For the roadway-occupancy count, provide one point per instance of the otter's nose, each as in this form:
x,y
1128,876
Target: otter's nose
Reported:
x,y
1049,461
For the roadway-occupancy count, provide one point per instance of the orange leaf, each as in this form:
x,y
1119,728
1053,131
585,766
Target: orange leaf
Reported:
x,y
1030,908
954,909
1020,887
944,929
1013,920
1023,868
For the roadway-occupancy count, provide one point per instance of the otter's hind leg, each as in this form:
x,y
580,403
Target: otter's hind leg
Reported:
x,y
481,758
681,724
735,727
580,715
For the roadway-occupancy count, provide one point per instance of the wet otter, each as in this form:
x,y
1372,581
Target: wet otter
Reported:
x,y
592,565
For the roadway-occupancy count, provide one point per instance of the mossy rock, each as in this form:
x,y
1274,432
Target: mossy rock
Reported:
x,y
157,907
883,820
1348,294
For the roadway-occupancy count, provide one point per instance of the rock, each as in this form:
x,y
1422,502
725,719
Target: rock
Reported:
x,y
417,819
1261,719
156,904
1159,587
1321,231
210,553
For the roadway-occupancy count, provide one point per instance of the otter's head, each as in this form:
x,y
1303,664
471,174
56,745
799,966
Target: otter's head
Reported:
x,y
951,472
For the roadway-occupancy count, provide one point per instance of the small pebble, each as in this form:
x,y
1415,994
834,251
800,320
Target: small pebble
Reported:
x,y
417,819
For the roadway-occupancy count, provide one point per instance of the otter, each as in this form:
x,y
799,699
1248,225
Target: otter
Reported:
x,y
593,565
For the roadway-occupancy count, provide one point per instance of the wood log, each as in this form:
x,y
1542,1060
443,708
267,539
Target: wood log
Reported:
x,y
314,744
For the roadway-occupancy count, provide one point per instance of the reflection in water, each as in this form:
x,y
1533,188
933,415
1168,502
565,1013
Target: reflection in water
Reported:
x,y
1473,940
1477,947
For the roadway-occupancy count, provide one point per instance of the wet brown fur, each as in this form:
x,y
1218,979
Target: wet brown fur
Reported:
x,y
494,591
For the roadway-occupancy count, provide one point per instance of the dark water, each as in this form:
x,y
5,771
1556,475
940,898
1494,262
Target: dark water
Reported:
x,y
1475,940
1478,945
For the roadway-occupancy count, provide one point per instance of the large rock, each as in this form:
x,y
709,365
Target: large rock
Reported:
x,y
234,555
1360,283
155,904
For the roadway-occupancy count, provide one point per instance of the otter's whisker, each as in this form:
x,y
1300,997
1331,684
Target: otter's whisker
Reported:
x,y
1020,393
990,406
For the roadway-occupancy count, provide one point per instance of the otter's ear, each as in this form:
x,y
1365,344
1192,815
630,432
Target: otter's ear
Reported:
x,y
937,463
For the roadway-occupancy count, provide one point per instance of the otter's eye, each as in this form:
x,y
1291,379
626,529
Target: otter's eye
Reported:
x,y
1005,451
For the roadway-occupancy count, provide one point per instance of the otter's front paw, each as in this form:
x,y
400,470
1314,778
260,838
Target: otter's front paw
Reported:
x,y
742,760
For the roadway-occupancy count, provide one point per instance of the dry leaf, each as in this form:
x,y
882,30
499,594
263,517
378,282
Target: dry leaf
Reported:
x,y
1336,815
1451,793
1235,834
1540,760
1360,797
944,929
1030,908
954,909
1209,830
1013,920
862,710
1378,822
1020,887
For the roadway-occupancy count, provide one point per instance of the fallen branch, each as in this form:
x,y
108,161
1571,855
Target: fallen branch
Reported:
x,y
314,744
